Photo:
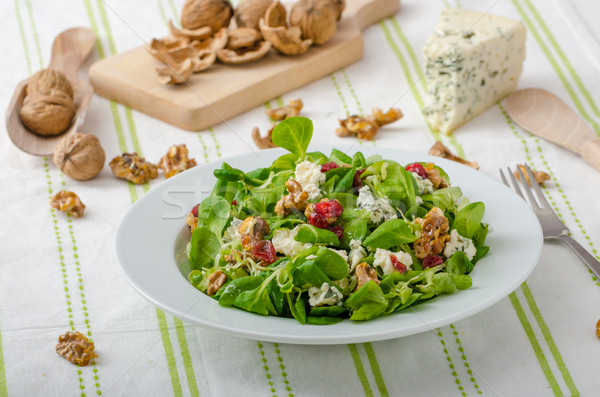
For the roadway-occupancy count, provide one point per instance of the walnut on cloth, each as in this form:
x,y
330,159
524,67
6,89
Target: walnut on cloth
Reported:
x,y
68,202
292,109
76,347
366,127
176,160
132,167
263,142
540,176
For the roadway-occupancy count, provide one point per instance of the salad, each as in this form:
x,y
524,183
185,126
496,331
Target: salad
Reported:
x,y
323,238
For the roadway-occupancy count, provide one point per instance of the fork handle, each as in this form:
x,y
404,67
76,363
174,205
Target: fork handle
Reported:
x,y
585,256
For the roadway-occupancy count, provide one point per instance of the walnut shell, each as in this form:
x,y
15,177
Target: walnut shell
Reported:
x,y
316,18
215,14
47,79
249,12
79,156
47,112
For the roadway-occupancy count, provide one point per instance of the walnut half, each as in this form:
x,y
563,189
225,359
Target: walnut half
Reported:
x,y
68,202
295,201
76,347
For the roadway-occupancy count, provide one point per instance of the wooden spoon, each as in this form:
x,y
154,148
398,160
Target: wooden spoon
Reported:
x,y
69,50
546,115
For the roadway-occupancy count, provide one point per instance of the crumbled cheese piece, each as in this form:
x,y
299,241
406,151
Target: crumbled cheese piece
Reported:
x,y
473,60
383,260
342,283
357,254
425,185
459,243
419,200
283,241
232,232
380,208
341,253
324,296
309,176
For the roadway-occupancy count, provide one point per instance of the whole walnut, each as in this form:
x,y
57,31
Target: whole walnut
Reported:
x,y
47,79
79,156
47,112
249,12
317,19
215,14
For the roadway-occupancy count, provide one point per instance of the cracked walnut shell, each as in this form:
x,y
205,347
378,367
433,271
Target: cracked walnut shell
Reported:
x,y
176,160
265,142
76,347
215,14
68,202
79,156
540,177
440,150
133,168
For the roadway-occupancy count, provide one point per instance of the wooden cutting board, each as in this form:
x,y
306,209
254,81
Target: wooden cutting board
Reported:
x,y
224,91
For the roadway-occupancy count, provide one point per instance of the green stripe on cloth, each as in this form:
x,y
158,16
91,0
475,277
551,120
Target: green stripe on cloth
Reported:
x,y
203,144
563,58
264,360
36,39
556,67
360,370
170,358
288,387
187,359
407,74
216,142
420,73
63,267
352,92
23,38
535,344
3,385
340,95
549,340
463,357
172,364
450,363
375,369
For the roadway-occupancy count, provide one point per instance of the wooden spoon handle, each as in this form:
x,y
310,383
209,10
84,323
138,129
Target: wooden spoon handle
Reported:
x,y
367,12
591,152
69,50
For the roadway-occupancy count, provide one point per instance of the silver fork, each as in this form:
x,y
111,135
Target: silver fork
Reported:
x,y
552,227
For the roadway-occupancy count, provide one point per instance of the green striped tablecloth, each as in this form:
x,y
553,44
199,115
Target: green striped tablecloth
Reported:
x,y
59,274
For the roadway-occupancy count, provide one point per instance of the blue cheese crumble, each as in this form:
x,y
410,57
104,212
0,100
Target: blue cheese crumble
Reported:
x,y
324,296
380,209
356,255
283,242
310,177
459,243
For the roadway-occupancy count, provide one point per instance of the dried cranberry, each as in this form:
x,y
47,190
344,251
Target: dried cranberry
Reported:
x,y
397,264
357,182
328,166
234,202
328,209
264,251
338,230
418,169
195,210
318,220
431,261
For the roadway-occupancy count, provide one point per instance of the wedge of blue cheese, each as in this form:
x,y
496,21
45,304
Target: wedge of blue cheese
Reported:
x,y
472,61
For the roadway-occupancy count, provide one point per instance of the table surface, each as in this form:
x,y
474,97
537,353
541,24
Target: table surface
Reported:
x,y
59,273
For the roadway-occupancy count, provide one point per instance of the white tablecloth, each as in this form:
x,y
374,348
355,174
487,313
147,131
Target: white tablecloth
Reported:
x,y
59,274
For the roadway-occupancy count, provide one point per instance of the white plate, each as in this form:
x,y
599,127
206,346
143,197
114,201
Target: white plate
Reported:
x,y
152,237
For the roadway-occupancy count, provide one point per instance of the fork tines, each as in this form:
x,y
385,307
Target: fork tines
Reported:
x,y
538,202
